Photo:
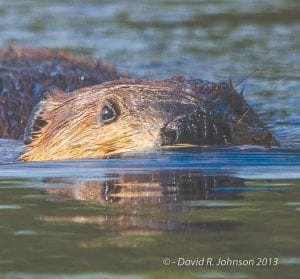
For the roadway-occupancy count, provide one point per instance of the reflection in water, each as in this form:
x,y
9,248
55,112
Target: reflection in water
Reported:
x,y
159,187
139,195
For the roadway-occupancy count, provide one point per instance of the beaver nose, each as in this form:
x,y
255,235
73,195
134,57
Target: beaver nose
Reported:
x,y
198,127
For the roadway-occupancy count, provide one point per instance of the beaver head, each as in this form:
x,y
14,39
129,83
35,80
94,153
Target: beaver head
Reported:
x,y
133,115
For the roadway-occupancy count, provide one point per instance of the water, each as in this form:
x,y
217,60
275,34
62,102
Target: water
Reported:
x,y
121,217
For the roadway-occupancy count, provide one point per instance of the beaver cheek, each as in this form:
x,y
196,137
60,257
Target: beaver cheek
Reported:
x,y
264,138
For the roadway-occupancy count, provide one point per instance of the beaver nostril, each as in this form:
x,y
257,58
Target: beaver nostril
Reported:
x,y
108,114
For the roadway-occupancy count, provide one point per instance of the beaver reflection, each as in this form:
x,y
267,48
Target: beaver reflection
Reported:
x,y
142,196
162,187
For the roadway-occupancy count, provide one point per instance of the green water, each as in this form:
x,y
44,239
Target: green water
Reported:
x,y
120,218
39,236
131,216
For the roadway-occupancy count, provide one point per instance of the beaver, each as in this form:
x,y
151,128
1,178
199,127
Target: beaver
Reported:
x,y
118,115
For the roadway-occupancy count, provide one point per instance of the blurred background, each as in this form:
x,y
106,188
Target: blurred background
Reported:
x,y
214,40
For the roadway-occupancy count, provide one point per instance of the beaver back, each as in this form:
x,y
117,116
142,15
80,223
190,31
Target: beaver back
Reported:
x,y
25,74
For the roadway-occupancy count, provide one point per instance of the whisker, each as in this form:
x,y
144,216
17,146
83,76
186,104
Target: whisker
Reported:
x,y
243,116
242,90
251,73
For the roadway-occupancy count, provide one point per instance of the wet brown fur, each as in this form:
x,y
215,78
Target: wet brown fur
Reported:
x,y
148,111
25,73
74,130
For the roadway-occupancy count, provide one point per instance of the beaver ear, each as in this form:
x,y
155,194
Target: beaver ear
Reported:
x,y
41,113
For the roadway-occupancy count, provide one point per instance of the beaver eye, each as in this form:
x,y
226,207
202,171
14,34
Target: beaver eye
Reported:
x,y
108,114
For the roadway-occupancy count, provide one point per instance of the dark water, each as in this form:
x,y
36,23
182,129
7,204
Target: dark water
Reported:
x,y
121,217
